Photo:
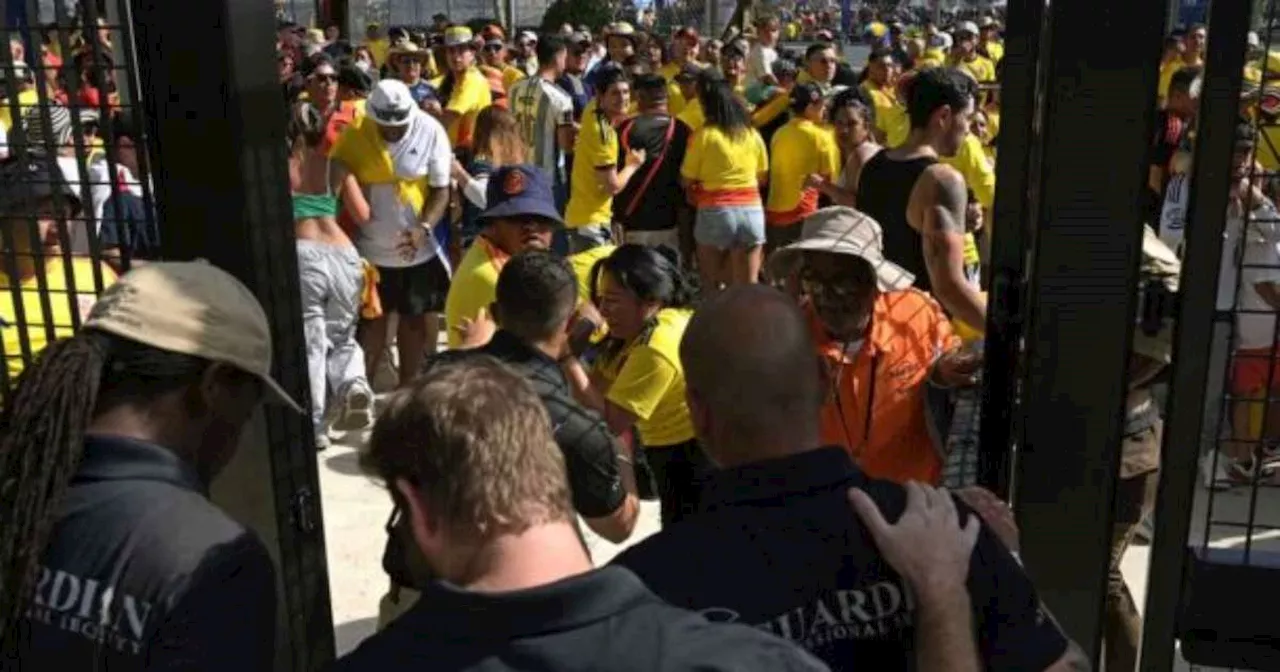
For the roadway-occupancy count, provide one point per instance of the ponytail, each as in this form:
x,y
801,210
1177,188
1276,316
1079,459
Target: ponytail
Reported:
x,y
42,430
307,125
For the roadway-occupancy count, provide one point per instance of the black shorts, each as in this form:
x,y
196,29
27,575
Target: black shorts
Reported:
x,y
414,290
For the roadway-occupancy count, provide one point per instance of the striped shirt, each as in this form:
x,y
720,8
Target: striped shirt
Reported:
x,y
539,106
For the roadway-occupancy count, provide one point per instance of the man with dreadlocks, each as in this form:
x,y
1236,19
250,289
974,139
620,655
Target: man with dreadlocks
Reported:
x,y
111,555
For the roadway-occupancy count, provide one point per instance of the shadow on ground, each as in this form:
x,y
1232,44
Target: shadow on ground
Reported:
x,y
346,463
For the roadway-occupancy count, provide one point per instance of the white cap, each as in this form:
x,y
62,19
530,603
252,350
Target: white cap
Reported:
x,y
191,308
843,230
390,103
966,27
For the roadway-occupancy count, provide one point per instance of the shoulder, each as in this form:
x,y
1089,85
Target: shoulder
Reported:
x,y
914,304
945,184
83,269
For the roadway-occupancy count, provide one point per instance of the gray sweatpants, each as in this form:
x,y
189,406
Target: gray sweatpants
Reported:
x,y
332,280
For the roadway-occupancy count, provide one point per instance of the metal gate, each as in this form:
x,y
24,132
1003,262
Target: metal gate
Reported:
x,y
1072,173
166,122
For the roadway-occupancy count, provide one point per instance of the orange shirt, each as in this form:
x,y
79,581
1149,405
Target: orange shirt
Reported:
x,y
890,438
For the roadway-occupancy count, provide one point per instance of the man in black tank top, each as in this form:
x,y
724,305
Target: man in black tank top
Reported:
x,y
919,202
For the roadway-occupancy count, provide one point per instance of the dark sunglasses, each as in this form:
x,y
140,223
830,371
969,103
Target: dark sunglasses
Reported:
x,y
493,47
393,116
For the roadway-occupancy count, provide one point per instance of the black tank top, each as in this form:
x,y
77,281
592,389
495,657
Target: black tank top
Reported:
x,y
884,187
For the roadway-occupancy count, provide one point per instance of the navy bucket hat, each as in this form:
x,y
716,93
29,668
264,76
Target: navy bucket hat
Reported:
x,y
520,191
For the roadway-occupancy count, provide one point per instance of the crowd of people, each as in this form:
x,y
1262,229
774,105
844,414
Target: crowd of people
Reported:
x,y
743,282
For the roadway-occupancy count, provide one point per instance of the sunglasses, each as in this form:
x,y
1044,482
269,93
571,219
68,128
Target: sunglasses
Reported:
x,y
392,116
493,47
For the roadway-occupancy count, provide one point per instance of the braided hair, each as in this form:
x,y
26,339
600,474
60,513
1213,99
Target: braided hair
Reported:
x,y
42,437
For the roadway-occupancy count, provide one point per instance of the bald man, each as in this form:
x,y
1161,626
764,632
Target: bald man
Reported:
x,y
774,546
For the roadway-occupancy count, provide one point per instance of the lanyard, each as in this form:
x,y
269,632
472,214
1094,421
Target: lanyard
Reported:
x,y
871,400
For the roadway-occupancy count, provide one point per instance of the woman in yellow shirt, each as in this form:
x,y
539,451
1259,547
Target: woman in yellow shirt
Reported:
x,y
724,166
637,379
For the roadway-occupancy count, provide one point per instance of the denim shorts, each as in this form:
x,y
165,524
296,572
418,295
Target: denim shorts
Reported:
x,y
729,226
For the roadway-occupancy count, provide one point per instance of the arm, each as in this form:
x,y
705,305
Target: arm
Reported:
x,y
601,476
612,180
227,619
591,393
943,231
351,195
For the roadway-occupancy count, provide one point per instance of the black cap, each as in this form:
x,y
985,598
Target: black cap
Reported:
x,y
805,94
688,73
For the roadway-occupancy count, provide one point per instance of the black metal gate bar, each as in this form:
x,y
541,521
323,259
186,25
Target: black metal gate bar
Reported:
x,y
1210,179
1011,237
217,122
1098,116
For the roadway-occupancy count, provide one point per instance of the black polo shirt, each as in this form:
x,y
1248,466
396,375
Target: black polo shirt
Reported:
x,y
143,572
590,450
778,546
602,620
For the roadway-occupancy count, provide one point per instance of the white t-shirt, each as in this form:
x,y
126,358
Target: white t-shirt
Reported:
x,y
760,62
1261,261
539,106
4,143
424,151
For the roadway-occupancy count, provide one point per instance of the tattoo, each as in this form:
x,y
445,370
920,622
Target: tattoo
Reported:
x,y
951,198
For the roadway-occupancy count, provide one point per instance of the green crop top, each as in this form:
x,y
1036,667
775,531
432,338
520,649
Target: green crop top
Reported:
x,y
306,206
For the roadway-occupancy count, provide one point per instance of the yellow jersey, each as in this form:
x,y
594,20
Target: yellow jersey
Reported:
x,y
650,384
971,161
891,116
597,147
692,115
65,311
980,67
474,286
470,95
799,149
725,169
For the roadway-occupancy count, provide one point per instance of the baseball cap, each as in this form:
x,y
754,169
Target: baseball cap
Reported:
x,y
457,36
580,38
191,308
688,72
520,191
964,27
804,94
390,104
843,230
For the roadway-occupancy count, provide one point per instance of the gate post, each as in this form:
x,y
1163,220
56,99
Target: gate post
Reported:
x,y
1083,279
217,125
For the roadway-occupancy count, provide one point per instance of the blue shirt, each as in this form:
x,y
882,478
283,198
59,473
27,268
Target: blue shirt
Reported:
x,y
776,545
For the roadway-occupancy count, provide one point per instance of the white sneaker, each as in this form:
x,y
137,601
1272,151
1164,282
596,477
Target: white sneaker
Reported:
x,y
322,441
357,410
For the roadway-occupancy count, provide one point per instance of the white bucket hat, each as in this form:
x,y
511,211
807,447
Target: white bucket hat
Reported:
x,y
843,230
